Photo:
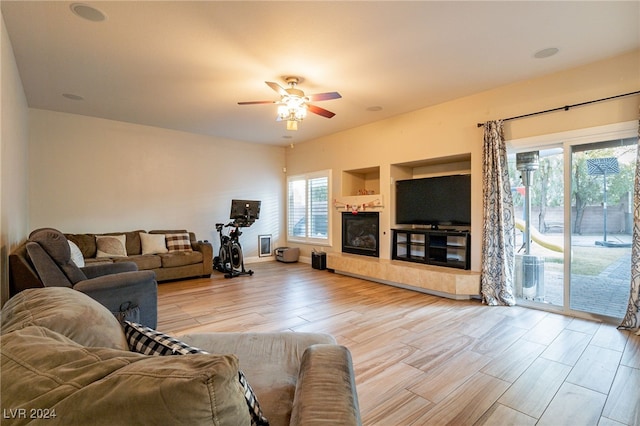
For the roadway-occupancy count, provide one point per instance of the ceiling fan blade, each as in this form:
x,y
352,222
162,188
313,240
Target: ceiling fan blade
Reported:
x,y
275,86
256,102
320,111
324,96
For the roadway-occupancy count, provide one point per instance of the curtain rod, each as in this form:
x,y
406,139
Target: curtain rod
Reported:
x,y
566,107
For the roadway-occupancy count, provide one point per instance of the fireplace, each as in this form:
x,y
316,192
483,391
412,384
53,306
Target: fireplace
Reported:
x,y
360,233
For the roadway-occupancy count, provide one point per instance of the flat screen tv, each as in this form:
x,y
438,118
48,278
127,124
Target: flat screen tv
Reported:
x,y
436,201
247,211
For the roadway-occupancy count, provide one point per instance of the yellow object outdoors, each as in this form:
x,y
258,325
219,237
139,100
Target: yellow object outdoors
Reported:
x,y
539,238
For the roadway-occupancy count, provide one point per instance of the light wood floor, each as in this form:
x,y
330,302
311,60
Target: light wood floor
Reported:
x,y
426,360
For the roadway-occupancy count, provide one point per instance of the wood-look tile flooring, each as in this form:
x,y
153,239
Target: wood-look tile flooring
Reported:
x,y
425,360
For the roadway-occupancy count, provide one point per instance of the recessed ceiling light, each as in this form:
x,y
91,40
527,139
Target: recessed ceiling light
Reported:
x,y
374,108
545,53
73,97
87,12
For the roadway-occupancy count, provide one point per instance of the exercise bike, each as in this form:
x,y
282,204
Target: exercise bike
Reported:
x,y
230,260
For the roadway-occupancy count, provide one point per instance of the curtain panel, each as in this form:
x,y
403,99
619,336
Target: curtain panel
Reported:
x,y
632,318
498,231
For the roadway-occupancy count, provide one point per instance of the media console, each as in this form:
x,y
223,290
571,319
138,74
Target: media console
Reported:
x,y
432,247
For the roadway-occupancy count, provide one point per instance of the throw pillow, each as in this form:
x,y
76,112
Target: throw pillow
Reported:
x,y
178,242
153,243
111,246
148,341
76,254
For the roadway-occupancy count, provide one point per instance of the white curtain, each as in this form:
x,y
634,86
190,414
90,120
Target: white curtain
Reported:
x,y
498,232
632,318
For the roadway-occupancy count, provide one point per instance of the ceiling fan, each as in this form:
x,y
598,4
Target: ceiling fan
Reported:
x,y
294,104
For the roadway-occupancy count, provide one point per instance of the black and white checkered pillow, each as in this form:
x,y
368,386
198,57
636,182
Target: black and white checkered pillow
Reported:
x,y
148,341
178,242
257,418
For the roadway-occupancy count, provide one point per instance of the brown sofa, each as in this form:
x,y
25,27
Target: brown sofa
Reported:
x,y
167,266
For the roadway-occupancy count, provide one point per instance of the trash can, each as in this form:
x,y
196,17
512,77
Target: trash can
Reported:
x,y
319,260
529,277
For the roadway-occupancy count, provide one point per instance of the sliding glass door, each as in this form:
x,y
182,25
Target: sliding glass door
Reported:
x,y
601,226
573,206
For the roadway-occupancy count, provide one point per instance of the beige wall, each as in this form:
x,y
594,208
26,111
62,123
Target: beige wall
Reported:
x,y
85,174
94,175
13,160
450,129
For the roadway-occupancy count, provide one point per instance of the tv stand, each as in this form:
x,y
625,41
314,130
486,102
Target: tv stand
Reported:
x,y
442,247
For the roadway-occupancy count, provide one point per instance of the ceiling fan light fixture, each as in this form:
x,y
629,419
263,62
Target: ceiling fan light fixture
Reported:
x,y
301,112
293,106
283,112
293,109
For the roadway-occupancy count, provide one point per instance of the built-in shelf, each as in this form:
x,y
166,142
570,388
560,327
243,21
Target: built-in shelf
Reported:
x,y
359,182
432,167
360,190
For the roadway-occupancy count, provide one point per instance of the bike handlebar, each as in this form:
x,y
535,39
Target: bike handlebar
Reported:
x,y
220,225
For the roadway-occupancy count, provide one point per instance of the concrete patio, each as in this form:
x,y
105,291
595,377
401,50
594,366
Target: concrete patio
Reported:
x,y
604,294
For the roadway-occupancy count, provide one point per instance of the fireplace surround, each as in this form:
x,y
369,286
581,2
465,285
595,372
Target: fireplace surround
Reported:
x,y
360,233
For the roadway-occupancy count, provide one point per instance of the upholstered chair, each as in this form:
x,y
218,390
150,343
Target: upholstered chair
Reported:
x,y
119,286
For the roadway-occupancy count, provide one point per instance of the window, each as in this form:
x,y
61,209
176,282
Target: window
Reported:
x,y
308,207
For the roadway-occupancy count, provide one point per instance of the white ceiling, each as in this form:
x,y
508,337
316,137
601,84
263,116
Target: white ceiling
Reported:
x,y
185,65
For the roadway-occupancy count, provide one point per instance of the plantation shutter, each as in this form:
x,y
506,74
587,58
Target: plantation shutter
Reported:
x,y
308,208
318,207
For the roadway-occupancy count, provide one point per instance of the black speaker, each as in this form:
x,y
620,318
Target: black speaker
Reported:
x,y
319,260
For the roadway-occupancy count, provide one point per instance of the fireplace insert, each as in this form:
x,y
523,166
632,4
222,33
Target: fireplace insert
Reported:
x,y
360,233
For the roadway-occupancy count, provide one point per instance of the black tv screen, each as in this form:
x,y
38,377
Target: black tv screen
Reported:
x,y
247,210
435,201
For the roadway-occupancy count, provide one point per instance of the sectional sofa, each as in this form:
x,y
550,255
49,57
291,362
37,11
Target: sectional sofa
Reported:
x,y
150,251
